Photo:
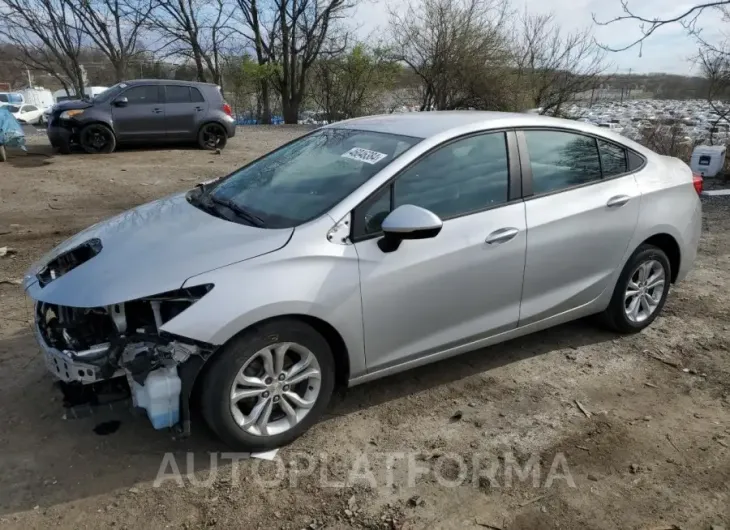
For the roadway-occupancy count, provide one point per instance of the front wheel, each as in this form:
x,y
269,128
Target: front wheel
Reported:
x,y
97,138
268,386
212,136
640,292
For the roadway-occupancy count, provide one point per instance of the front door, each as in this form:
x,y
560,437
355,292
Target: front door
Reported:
x,y
143,116
463,285
185,109
580,220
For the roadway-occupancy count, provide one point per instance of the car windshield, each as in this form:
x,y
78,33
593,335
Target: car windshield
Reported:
x,y
110,92
307,177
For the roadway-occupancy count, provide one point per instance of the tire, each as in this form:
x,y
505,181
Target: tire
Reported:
x,y
3,154
97,139
245,351
212,136
615,316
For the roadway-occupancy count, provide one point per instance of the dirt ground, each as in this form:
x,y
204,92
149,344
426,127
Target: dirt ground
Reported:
x,y
624,432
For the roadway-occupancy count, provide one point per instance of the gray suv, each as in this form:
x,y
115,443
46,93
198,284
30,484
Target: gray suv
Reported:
x,y
143,111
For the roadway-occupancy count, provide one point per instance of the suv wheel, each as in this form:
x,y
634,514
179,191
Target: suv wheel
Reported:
x,y
268,386
97,138
212,136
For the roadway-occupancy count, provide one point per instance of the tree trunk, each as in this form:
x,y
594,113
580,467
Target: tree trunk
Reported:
x,y
265,116
120,71
199,65
291,110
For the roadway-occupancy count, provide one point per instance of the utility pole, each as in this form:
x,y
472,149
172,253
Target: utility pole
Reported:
x,y
628,93
30,78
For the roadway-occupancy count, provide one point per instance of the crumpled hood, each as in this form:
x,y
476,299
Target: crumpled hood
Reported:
x,y
148,250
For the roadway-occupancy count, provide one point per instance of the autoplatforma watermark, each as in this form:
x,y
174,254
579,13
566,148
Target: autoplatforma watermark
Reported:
x,y
373,469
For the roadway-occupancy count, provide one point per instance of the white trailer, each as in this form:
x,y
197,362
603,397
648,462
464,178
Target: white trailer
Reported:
x,y
708,160
38,96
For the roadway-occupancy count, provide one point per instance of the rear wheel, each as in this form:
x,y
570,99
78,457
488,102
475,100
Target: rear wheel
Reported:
x,y
640,292
97,138
212,136
268,385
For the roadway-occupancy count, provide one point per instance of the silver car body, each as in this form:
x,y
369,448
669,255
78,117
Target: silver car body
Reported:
x,y
529,264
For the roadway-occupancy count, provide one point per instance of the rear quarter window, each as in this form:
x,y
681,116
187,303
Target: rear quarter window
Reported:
x,y
636,161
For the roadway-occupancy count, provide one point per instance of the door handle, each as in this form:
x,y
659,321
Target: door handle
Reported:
x,y
618,200
501,236
199,109
157,111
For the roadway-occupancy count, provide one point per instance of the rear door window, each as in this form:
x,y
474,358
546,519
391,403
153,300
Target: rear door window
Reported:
x,y
195,95
705,160
562,160
177,94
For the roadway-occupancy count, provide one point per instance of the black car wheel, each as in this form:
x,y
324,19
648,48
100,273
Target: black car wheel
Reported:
x,y
97,138
212,136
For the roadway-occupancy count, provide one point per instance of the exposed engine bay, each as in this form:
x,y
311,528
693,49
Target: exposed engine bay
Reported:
x,y
85,347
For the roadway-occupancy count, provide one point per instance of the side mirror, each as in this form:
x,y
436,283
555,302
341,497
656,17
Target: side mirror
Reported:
x,y
408,222
121,102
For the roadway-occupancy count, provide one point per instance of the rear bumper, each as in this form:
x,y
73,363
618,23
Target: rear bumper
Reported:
x,y
230,128
692,235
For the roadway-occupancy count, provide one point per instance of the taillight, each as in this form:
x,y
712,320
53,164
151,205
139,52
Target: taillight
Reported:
x,y
227,109
697,181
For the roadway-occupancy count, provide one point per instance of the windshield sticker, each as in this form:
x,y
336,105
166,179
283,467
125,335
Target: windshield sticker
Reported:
x,y
364,155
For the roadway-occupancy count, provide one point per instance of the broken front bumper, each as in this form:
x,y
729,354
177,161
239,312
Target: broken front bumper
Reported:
x,y
65,367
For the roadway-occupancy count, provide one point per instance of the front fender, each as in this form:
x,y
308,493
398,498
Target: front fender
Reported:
x,y
319,280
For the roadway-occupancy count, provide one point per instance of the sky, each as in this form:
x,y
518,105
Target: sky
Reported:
x,y
669,49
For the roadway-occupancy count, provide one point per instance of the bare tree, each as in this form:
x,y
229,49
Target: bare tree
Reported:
x,y
457,48
669,140
648,25
258,32
195,29
300,29
554,66
716,67
114,26
48,37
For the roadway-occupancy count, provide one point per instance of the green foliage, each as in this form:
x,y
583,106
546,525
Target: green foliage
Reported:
x,y
349,85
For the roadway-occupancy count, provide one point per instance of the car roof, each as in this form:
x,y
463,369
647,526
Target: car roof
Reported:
x,y
428,124
167,82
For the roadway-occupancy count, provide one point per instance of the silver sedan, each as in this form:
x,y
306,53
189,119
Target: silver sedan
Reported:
x,y
362,249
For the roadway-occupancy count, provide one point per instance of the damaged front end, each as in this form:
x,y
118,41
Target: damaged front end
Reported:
x,y
87,348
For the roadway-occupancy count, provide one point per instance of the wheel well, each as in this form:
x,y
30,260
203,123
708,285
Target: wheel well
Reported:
x,y
212,121
670,247
330,334
97,122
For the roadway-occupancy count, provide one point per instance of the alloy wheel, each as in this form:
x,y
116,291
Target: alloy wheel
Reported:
x,y
644,291
275,389
213,136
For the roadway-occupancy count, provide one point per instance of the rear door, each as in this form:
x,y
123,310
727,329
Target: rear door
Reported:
x,y
581,207
143,117
184,108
